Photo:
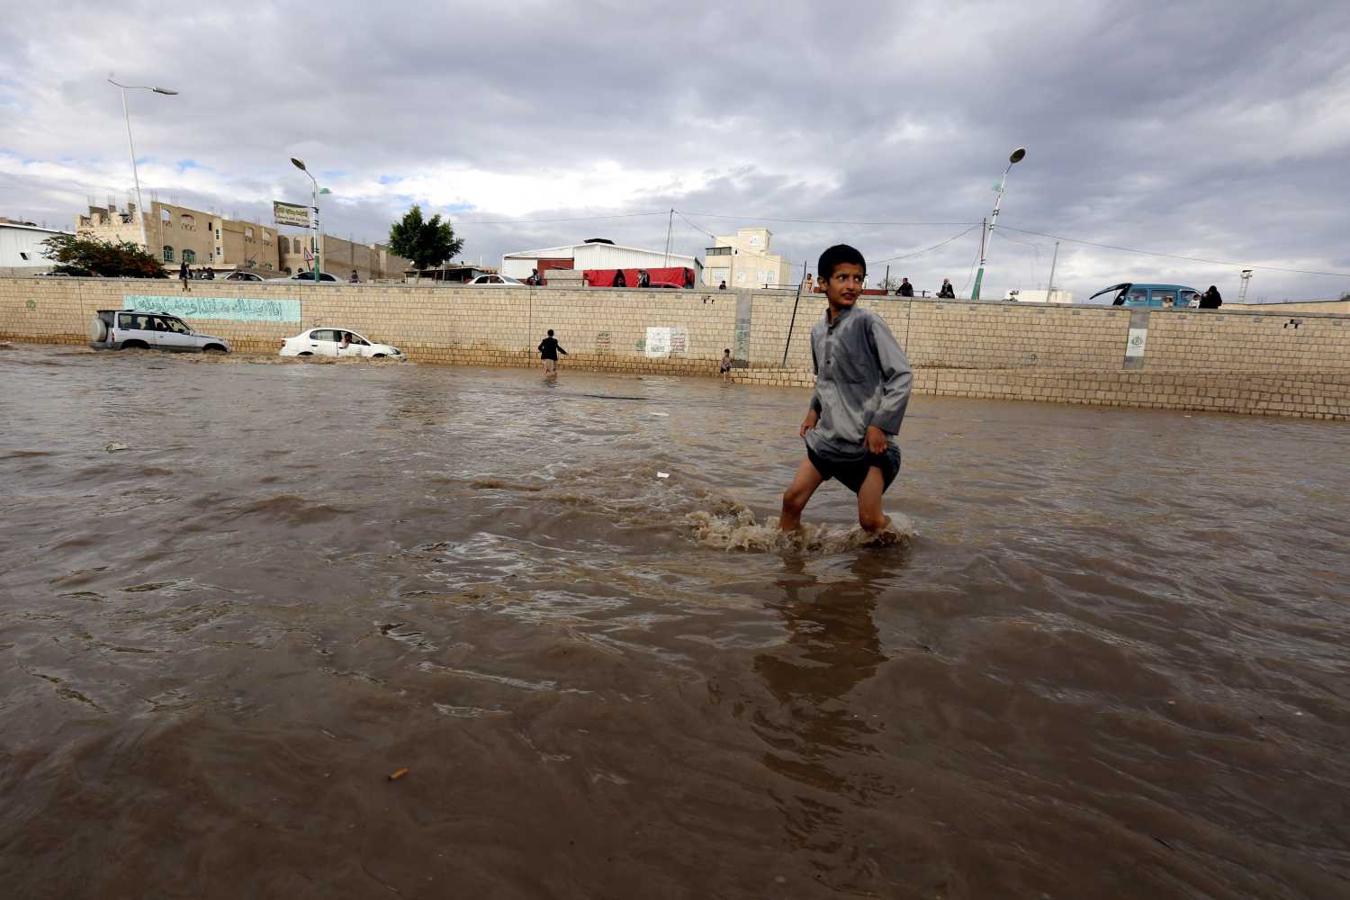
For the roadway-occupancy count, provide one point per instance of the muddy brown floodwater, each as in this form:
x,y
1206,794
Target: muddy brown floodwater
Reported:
x,y
1109,661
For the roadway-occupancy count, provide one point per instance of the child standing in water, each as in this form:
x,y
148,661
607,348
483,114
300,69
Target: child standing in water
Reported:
x,y
862,389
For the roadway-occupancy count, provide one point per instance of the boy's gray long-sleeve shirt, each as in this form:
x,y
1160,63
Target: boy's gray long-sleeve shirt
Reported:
x,y
862,379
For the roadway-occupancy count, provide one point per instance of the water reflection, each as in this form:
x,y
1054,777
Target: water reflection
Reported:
x,y
816,735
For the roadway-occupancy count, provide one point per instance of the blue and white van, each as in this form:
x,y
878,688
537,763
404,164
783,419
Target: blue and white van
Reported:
x,y
1163,296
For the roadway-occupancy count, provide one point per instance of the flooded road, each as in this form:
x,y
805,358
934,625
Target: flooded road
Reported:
x,y
1110,661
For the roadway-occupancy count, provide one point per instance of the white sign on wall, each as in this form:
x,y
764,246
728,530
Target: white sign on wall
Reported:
x,y
658,342
1134,344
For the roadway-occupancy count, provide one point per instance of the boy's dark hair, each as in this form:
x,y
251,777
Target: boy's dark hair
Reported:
x,y
836,255
550,332
728,350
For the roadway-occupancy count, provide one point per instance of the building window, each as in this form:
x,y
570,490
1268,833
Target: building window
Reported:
x,y
168,253
189,256
718,251
165,216
283,244
248,232
187,221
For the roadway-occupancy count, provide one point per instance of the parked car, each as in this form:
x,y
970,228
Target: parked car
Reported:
x,y
666,284
324,278
120,329
341,342
242,276
498,280
1156,295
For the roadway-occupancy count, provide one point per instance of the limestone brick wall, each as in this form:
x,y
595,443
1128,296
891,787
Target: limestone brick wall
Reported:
x,y
1238,361
955,334
1310,395
1247,341
601,329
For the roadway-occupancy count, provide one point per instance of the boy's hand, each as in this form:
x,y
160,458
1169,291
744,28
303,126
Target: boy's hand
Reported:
x,y
808,423
875,440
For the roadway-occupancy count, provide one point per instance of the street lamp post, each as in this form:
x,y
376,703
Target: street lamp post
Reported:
x,y
1013,160
135,175
314,217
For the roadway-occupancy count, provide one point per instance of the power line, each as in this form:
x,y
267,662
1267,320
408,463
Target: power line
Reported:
x,y
822,221
929,249
660,212
700,229
1200,259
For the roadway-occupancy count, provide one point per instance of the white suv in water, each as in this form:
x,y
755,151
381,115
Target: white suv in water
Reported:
x,y
126,329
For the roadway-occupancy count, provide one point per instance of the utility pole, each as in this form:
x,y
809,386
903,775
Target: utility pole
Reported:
x,y
1246,280
1050,286
670,225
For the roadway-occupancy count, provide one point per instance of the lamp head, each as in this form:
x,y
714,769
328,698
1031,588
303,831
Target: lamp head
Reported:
x,y
1017,155
299,164
160,90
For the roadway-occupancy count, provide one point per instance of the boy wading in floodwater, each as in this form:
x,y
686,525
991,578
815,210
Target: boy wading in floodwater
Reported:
x,y
862,390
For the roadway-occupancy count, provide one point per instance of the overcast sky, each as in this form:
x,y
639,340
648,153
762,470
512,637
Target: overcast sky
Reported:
x,y
1218,130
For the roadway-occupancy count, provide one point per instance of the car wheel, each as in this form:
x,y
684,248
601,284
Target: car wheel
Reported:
x,y
306,353
214,348
135,345
377,356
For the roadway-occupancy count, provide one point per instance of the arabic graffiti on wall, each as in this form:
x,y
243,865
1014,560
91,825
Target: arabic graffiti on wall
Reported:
x,y
227,309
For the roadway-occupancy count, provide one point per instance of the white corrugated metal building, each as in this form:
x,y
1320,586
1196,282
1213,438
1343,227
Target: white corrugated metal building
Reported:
x,y
21,246
593,254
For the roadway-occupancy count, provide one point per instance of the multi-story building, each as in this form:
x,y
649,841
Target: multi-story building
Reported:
x,y
180,234
743,260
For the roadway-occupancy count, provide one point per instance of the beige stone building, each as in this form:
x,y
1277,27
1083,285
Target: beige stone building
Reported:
x,y
371,262
743,260
179,233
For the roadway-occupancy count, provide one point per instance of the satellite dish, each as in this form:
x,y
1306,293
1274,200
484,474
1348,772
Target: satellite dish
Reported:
x,y
1017,155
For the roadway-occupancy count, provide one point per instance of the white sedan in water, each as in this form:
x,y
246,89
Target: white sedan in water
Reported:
x,y
340,342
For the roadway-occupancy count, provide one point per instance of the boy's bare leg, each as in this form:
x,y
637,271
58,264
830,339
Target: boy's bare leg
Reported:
x,y
795,498
871,516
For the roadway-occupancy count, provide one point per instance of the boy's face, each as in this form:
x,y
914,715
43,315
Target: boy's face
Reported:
x,y
845,285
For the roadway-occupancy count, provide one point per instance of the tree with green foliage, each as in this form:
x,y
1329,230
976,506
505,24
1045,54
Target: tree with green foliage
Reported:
x,y
426,243
76,255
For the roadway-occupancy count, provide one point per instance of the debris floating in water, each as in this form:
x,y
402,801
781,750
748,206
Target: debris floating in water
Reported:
x,y
397,774
113,446
662,474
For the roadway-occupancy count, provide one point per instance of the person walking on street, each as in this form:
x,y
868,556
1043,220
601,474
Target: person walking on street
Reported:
x,y
1210,299
185,275
905,289
863,382
947,291
548,352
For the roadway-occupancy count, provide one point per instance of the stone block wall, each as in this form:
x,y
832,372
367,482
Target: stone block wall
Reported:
x,y
1240,361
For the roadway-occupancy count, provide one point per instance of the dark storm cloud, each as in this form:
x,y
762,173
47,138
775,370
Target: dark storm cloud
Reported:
x,y
1214,130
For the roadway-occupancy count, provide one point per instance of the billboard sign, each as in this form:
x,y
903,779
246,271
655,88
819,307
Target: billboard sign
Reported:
x,y
290,214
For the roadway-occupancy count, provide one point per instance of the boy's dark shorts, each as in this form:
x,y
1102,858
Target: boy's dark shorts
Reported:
x,y
852,474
